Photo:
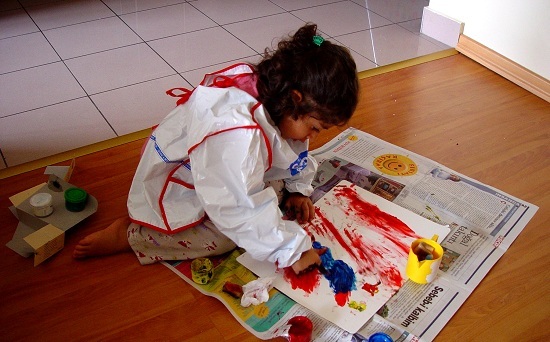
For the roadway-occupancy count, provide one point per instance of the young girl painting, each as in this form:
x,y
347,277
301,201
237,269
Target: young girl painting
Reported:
x,y
213,172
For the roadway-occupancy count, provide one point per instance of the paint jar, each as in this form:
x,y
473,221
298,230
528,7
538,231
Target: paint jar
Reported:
x,y
201,270
425,256
75,199
380,337
301,329
42,204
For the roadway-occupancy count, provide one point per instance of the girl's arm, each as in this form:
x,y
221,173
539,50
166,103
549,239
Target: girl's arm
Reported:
x,y
297,203
228,169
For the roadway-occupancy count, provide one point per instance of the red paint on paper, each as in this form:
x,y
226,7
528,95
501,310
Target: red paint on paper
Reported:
x,y
306,282
392,276
342,298
327,227
370,256
385,224
371,288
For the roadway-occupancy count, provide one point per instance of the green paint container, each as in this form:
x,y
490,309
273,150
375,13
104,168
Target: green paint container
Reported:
x,y
75,199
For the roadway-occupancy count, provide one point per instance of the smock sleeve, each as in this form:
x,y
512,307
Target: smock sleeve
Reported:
x,y
228,169
302,181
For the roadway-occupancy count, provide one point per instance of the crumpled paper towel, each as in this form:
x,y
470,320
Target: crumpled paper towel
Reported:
x,y
256,291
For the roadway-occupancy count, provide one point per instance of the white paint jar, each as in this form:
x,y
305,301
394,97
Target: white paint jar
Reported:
x,y
42,204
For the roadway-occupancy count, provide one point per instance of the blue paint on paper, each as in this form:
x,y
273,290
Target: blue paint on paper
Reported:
x,y
340,275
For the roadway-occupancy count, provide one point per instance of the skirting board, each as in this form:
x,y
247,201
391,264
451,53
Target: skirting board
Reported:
x,y
505,67
441,27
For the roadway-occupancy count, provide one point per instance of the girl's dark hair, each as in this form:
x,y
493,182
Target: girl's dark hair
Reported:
x,y
324,74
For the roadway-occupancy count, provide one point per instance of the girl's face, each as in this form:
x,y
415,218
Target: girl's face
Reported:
x,y
304,128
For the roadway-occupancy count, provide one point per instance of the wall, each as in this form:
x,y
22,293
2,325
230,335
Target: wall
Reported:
x,y
518,30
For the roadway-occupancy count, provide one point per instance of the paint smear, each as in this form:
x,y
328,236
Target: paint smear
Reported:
x,y
371,288
361,306
306,282
377,249
340,276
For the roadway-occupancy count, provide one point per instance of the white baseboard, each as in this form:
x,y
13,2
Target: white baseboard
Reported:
x,y
505,67
441,27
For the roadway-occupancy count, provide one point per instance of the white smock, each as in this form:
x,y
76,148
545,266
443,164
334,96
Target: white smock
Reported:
x,y
210,157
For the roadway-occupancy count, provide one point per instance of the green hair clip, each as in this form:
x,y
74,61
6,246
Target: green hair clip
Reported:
x,y
318,40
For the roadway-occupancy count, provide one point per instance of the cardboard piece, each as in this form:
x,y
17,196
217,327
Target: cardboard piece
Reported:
x,y
23,195
45,236
45,242
63,172
18,243
61,217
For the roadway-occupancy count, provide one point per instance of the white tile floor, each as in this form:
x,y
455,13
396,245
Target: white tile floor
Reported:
x,y
77,72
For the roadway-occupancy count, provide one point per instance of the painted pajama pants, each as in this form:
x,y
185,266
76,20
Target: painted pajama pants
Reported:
x,y
203,240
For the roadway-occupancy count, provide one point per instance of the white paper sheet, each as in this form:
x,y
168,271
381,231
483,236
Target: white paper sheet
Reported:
x,y
367,233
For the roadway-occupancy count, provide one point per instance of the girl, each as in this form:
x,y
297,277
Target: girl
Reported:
x,y
212,173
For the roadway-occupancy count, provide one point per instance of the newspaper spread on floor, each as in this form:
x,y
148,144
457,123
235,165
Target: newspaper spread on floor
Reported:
x,y
266,320
484,222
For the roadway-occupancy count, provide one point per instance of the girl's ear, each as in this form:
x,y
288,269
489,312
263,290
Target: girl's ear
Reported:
x,y
296,96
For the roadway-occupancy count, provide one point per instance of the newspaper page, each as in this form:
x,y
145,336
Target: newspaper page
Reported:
x,y
484,222
267,320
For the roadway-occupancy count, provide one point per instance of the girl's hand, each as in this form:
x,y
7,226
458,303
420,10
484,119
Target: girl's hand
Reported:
x,y
299,207
308,261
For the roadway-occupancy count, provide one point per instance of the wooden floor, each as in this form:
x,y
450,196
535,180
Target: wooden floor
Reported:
x,y
451,110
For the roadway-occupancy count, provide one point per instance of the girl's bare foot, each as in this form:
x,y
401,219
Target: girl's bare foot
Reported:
x,y
110,240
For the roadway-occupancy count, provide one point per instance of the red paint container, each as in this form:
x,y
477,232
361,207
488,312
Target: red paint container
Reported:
x,y
301,328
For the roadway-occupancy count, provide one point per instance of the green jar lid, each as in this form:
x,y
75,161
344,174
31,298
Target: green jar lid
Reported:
x,y
75,195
